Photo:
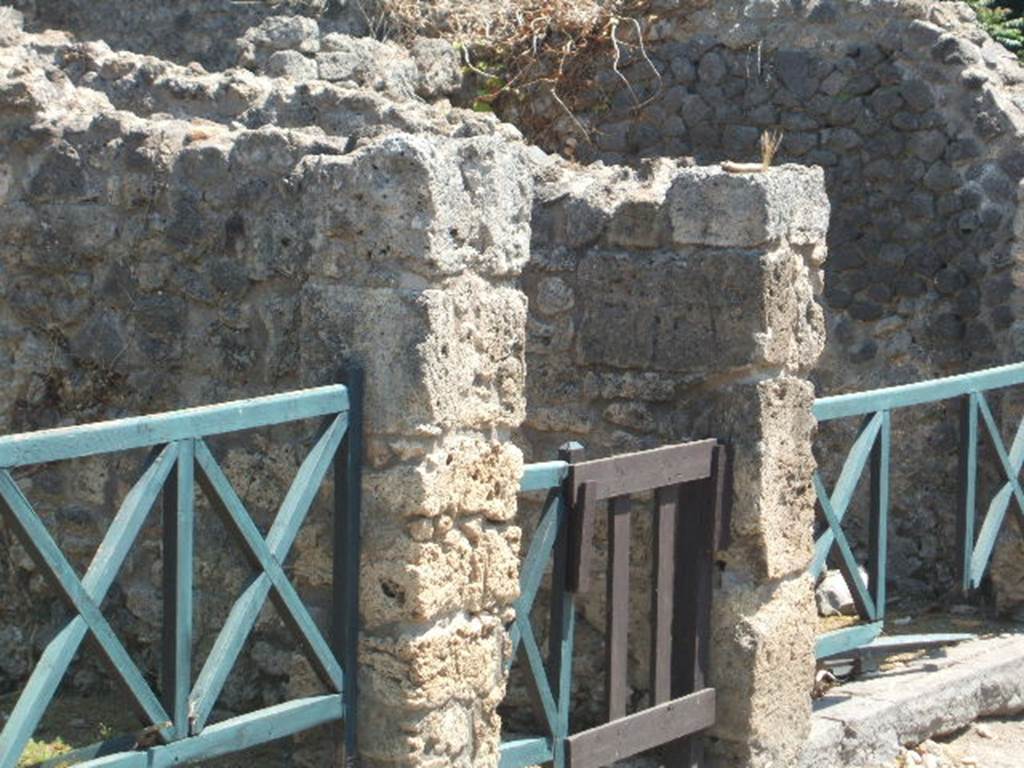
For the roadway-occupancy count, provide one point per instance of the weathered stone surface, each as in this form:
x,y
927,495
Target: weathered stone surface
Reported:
x,y
762,659
677,341
153,262
833,595
440,70
656,313
406,204
741,210
865,723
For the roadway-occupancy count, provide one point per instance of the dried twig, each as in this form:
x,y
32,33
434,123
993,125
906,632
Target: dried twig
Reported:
x,y
770,143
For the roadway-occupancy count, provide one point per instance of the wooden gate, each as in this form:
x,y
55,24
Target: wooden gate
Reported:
x,y
688,524
177,715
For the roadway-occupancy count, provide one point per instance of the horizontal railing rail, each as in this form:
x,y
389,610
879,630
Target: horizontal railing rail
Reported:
x,y
918,393
176,718
146,431
872,450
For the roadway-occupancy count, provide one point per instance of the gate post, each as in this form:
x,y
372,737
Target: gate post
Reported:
x,y
421,294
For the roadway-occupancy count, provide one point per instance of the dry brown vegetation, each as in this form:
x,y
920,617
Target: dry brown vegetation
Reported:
x,y
522,49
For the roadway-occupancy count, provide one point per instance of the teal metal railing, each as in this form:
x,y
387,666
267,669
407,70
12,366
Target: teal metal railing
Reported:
x,y
177,718
872,449
550,688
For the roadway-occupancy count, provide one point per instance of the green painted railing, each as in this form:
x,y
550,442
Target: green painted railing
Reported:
x,y
550,687
872,448
177,720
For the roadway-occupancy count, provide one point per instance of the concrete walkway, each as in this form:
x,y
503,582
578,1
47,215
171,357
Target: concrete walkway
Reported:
x,y
864,723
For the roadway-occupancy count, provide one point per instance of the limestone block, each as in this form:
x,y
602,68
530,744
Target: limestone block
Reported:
x,y
467,566
415,204
383,330
459,658
279,33
657,312
652,387
363,61
409,342
460,734
833,594
762,665
474,364
770,428
440,67
291,64
437,538
711,207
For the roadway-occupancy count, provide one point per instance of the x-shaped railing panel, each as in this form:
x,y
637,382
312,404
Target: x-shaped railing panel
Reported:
x,y
85,598
1011,464
874,438
266,555
178,450
521,632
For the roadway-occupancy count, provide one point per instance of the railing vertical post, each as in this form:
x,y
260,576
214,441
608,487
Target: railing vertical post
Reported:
x,y
878,524
968,488
178,550
347,520
563,607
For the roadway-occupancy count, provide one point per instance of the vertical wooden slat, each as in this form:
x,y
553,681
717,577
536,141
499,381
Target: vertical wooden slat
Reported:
x,y
179,510
563,609
617,629
581,536
878,521
699,503
348,489
723,515
662,594
968,488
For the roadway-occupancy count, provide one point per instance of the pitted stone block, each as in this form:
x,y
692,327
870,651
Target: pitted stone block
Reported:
x,y
712,207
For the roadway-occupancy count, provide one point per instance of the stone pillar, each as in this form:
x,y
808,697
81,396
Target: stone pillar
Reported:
x,y
415,242
773,227
676,305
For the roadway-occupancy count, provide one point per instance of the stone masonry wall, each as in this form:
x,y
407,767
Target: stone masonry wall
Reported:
x,y
209,32
915,116
163,246
174,237
674,303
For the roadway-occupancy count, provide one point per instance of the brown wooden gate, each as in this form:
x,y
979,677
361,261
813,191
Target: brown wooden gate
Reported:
x,y
689,524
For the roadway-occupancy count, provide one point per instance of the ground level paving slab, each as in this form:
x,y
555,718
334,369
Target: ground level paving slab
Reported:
x,y
865,723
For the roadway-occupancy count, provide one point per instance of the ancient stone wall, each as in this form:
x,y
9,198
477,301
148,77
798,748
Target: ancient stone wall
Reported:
x,y
175,237
157,253
915,116
209,32
674,303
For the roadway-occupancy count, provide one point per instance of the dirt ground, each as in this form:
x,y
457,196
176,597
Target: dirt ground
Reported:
x,y
994,743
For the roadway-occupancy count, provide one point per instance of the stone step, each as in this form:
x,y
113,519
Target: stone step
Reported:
x,y
864,723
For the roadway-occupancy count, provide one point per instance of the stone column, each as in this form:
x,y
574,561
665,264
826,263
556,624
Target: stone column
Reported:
x,y
773,227
415,243
677,305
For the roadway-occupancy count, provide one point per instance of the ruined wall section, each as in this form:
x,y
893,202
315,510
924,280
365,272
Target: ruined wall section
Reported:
x,y
673,303
915,115
208,32
153,260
